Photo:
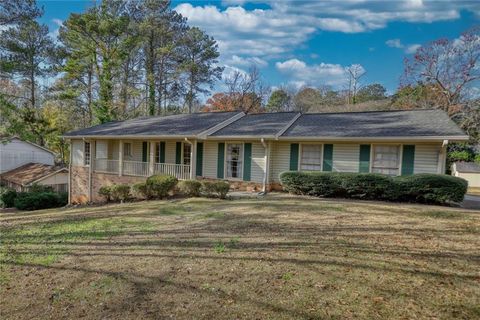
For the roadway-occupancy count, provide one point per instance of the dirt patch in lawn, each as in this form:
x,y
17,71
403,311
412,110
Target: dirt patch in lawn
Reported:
x,y
273,258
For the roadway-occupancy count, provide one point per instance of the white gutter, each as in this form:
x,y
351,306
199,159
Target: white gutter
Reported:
x,y
367,139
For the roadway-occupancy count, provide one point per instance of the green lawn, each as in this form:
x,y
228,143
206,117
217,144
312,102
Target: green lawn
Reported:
x,y
274,258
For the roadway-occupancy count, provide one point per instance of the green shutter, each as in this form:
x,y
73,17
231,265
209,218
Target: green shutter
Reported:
x,y
162,152
199,159
220,160
327,157
294,156
145,151
247,161
408,159
178,153
364,160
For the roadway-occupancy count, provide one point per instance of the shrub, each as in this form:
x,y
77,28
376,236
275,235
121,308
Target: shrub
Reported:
x,y
7,198
158,186
39,200
140,190
106,192
477,158
120,192
431,188
425,188
190,188
216,188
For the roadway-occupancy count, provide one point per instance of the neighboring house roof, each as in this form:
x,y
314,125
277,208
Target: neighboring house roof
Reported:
x,y
261,124
29,173
6,139
175,125
467,167
420,124
413,123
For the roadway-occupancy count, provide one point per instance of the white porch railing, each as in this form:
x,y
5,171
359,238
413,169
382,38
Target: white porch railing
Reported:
x,y
135,168
106,166
180,171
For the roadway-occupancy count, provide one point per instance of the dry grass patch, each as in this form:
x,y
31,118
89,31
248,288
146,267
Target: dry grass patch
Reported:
x,y
273,258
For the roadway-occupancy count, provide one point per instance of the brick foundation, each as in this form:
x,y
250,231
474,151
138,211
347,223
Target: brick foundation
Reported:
x,y
79,184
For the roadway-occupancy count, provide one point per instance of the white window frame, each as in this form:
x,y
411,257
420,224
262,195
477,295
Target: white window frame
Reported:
x,y
225,161
129,154
301,155
86,160
189,154
400,156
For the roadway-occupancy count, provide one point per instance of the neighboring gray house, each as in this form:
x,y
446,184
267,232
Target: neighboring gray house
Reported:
x,y
252,150
15,152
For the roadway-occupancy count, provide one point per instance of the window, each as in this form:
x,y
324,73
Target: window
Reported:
x,y
86,153
234,160
311,159
187,149
386,159
157,152
127,149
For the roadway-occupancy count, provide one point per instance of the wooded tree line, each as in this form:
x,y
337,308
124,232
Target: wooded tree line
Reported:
x,y
129,58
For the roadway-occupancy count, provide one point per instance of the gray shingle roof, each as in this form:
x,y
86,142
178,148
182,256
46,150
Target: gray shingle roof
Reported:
x,y
180,124
375,124
471,167
262,124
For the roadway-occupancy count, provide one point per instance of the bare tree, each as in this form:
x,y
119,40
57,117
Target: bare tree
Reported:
x,y
247,90
354,73
449,67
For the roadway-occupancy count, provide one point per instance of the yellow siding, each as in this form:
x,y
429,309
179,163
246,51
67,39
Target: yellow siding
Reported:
x,y
426,158
258,162
77,152
279,160
346,157
210,154
170,150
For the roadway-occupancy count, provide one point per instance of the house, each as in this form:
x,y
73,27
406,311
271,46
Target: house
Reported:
x,y
23,177
252,150
469,171
15,152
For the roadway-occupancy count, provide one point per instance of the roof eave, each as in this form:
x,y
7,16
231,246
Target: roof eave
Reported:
x,y
396,138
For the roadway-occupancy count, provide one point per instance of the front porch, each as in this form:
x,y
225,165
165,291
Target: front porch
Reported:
x,y
143,158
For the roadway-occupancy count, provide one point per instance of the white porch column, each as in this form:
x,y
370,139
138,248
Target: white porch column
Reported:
x,y
152,158
442,158
193,160
120,157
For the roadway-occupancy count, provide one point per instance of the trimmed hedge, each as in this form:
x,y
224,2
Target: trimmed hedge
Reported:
x,y
215,188
159,186
7,198
40,200
422,188
190,188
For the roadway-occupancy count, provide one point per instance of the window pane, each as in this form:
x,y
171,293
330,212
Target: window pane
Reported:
x,y
86,153
187,148
311,159
234,160
386,159
127,149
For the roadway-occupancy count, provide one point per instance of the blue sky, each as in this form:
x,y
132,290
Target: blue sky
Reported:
x,y
310,43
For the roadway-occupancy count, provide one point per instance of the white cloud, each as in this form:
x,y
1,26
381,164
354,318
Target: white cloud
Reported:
x,y
412,48
301,73
246,61
58,22
394,43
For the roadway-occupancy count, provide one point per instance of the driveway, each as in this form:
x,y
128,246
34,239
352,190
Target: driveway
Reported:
x,y
471,202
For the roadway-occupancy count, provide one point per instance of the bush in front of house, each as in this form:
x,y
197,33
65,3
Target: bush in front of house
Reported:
x,y
423,188
430,188
215,188
140,190
115,192
35,188
189,188
7,197
159,186
39,200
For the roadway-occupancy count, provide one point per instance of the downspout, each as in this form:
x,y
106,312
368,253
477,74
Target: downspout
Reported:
x,y
267,167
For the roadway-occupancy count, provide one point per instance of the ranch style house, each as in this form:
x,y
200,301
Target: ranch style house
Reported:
x,y
252,150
